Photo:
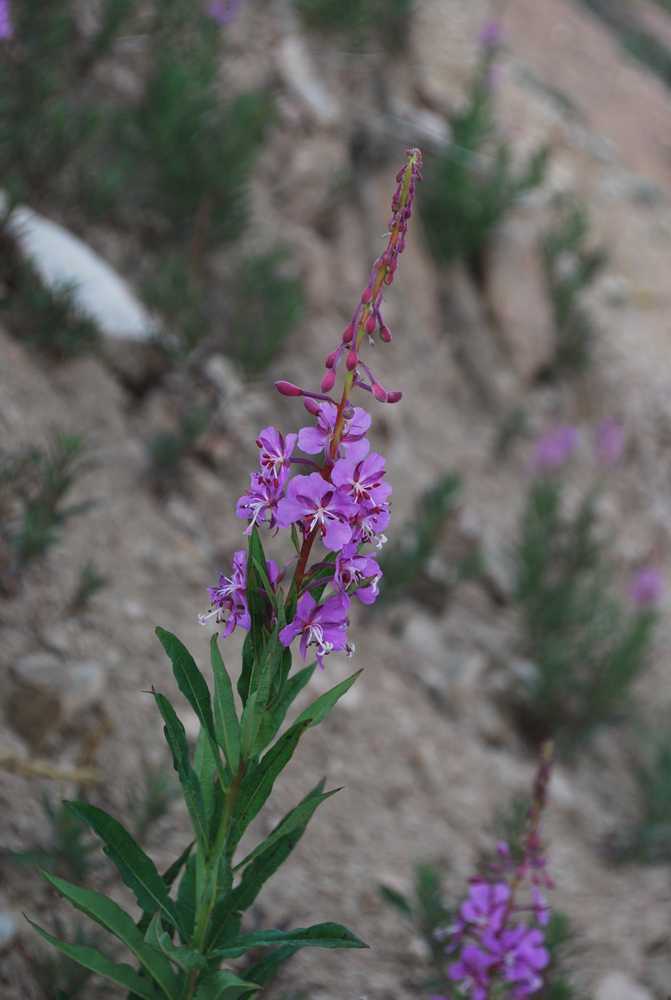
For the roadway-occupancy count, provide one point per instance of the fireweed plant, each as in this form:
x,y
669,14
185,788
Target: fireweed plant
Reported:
x,y
181,940
497,943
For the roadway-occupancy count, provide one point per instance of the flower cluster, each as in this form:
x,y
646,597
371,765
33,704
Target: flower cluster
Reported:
x,y
342,502
497,953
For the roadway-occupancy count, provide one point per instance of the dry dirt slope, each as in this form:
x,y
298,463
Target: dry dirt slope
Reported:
x,y
422,773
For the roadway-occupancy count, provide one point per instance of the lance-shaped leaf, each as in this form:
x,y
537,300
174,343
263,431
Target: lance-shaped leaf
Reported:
x,y
193,686
109,915
136,869
326,935
60,995
91,959
259,780
179,748
183,956
319,709
291,688
260,972
227,727
225,921
298,816
245,678
223,985
257,603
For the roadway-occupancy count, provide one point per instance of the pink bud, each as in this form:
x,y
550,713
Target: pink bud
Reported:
x,y
352,359
385,334
330,361
379,393
328,381
370,324
388,278
311,406
378,263
394,397
288,389
367,295
348,333
392,265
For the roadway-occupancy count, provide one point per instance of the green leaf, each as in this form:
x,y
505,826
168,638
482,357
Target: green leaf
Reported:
x,y
205,768
136,869
193,686
175,868
186,898
326,935
397,900
115,920
60,995
258,782
293,686
298,817
256,602
223,985
245,678
263,970
319,709
183,956
91,959
225,921
227,727
191,790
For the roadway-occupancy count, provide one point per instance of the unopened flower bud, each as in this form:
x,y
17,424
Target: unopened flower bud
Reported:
x,y
394,397
348,333
352,359
330,361
348,411
380,394
370,324
378,263
328,381
311,406
388,278
385,334
288,389
367,295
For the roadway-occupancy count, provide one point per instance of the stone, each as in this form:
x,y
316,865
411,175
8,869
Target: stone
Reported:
x,y
518,299
301,77
50,692
620,986
62,258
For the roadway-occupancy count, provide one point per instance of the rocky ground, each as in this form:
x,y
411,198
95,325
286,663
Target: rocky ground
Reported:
x,y
423,744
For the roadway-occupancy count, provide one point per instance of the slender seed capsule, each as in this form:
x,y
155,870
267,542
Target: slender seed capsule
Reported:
x,y
352,359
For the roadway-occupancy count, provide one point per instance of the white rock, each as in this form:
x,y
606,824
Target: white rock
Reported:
x,y
301,77
76,685
620,986
62,258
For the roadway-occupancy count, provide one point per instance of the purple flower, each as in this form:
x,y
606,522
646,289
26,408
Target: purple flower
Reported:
x,y
369,525
6,29
609,443
491,34
352,569
260,503
471,971
553,448
486,905
522,956
275,451
322,625
363,481
353,443
647,588
224,11
231,596
317,504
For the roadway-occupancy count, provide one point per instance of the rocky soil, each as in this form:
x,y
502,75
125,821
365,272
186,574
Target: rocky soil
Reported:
x,y
423,744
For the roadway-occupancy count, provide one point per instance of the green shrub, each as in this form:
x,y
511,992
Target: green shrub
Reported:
x,y
570,265
585,646
386,21
473,185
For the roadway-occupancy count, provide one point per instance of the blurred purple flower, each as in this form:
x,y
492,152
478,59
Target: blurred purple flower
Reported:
x,y
647,588
224,11
322,625
609,443
553,448
6,29
491,34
